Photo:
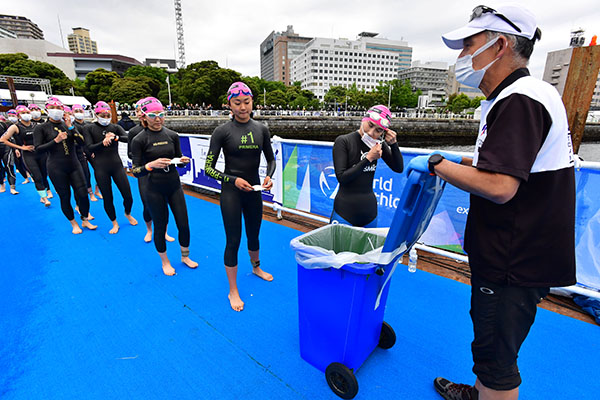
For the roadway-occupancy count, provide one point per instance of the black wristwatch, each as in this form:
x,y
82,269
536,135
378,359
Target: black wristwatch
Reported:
x,y
434,160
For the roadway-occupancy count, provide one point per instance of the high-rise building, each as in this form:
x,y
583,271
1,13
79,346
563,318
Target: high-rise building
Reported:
x,y
276,52
81,43
365,62
21,26
430,75
6,34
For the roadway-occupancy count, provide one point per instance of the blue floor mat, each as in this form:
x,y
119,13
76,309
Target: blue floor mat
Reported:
x,y
91,316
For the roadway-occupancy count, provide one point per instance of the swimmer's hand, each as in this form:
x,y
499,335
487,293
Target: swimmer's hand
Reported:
x,y
243,185
268,183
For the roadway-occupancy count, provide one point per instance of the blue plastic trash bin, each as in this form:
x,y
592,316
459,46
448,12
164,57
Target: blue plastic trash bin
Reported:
x,y
338,322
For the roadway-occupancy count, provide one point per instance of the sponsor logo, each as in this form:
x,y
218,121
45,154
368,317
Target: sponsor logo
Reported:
x,y
328,182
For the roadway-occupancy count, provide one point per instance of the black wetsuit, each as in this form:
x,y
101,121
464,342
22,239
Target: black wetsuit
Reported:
x,y
142,180
63,167
163,186
83,155
108,164
242,145
35,161
355,201
3,164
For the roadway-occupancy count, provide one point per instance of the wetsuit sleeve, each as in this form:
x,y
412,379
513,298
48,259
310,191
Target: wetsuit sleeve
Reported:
x,y
345,173
89,140
268,152
392,157
214,149
121,134
137,160
39,139
130,135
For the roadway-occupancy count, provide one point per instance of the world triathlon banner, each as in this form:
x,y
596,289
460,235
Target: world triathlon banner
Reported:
x,y
305,180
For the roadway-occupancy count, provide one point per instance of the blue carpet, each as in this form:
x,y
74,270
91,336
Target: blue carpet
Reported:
x,y
92,317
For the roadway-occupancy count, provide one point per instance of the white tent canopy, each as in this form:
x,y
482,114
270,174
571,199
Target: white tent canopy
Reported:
x,y
41,97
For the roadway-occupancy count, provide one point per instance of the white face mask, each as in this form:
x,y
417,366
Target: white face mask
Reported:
x,y
368,140
36,114
72,118
26,117
103,121
14,120
78,115
464,71
56,115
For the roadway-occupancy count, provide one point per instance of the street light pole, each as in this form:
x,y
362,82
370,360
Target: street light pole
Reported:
x,y
390,95
346,111
169,89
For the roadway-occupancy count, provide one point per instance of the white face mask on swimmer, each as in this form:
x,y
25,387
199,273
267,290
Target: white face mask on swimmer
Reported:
x,y
78,115
36,114
464,71
14,120
368,140
56,115
26,117
103,121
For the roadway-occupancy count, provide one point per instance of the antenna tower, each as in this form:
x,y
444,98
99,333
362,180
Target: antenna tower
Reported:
x,y
180,42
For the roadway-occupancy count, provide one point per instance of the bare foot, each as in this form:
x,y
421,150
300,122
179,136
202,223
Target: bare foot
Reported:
x,y
262,274
2,188
13,191
25,181
188,262
131,220
92,197
98,194
236,302
115,228
45,201
90,217
76,229
168,270
49,193
87,224
148,237
77,209
169,238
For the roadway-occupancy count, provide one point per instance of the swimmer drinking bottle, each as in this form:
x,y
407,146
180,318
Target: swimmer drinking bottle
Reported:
x,y
412,260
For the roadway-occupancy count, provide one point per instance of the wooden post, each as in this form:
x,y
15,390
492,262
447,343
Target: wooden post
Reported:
x,y
579,89
13,93
113,109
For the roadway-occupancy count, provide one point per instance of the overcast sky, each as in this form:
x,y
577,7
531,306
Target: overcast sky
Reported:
x,y
230,32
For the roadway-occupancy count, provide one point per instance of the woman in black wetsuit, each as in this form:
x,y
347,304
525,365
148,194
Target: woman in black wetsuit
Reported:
x,y
83,154
355,158
242,141
155,152
57,137
7,155
102,139
143,180
22,134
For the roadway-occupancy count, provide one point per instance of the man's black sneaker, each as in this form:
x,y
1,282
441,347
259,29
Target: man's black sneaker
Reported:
x,y
454,391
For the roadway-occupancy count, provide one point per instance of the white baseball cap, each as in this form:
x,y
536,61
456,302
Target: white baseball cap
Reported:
x,y
507,18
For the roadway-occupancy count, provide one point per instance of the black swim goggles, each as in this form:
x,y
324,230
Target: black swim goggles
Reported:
x,y
480,10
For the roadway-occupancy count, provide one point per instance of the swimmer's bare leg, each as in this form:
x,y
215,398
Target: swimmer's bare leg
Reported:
x,y
256,270
234,295
166,264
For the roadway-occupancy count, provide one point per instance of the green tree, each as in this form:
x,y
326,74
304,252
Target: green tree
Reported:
x,y
98,84
335,95
476,101
131,89
19,64
458,103
158,74
277,98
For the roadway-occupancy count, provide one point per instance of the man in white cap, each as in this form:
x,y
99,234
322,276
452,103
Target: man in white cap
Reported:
x,y
520,228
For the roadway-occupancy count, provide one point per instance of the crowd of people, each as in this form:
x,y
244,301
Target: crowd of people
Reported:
x,y
520,228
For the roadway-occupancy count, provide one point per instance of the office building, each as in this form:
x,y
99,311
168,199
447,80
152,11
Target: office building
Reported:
x,y
430,75
276,52
366,62
167,64
6,34
81,43
86,63
21,26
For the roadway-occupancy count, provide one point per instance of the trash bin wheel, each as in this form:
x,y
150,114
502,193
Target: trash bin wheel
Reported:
x,y
341,380
387,337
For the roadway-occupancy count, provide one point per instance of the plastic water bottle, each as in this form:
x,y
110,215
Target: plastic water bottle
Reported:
x,y
412,260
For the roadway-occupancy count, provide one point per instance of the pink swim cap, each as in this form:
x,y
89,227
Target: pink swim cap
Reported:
x,y
238,88
140,101
12,111
151,104
33,106
101,106
77,107
380,115
21,109
2,118
53,101
67,109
